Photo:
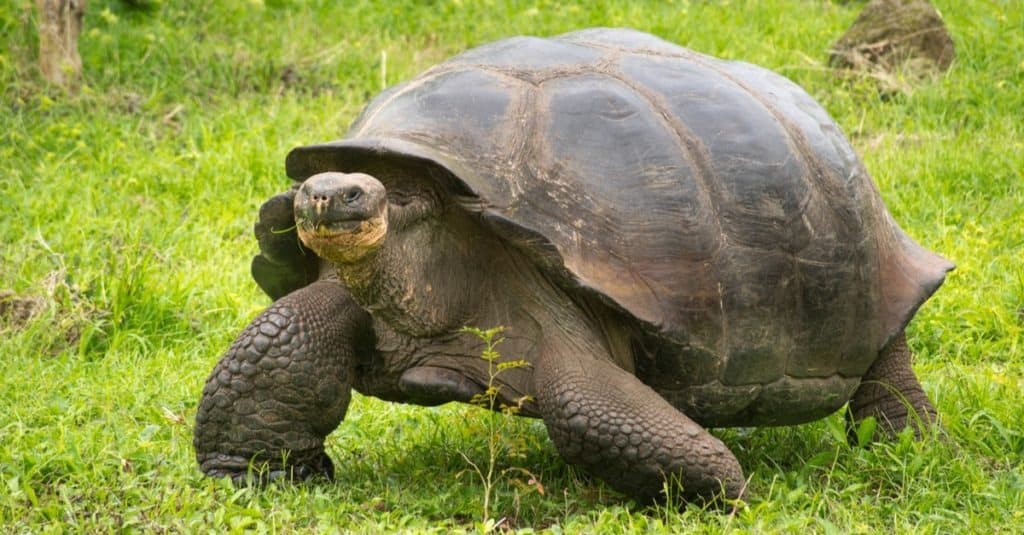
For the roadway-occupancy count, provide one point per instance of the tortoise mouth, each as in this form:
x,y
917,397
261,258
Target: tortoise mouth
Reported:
x,y
344,241
326,229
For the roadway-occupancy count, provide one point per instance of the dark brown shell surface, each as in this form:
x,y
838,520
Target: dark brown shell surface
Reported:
x,y
714,201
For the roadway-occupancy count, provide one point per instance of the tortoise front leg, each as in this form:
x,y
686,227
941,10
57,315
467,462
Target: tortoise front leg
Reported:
x,y
281,388
892,394
606,420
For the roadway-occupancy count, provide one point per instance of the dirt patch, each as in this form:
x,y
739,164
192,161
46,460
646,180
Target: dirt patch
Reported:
x,y
18,309
72,315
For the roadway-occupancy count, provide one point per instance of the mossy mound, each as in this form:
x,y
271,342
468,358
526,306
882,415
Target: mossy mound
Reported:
x,y
893,40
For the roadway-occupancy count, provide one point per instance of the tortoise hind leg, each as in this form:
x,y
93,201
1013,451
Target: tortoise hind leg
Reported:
x,y
892,394
606,420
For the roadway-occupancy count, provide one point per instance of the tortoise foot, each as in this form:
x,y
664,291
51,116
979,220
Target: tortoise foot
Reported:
x,y
245,472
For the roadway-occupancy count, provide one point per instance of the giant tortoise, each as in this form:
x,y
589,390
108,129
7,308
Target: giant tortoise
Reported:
x,y
672,241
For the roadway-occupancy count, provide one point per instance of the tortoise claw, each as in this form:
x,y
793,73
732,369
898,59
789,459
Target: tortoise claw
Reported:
x,y
245,474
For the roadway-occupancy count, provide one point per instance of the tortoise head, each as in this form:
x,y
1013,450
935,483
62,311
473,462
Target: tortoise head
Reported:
x,y
342,217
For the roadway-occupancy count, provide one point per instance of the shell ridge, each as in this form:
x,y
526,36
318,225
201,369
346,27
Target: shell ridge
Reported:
x,y
573,37
524,110
401,90
817,177
699,161
822,178
697,154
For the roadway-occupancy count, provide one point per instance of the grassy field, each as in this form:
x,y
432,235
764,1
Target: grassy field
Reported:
x,y
127,212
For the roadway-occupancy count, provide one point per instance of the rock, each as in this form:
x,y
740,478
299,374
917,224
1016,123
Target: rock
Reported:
x,y
895,35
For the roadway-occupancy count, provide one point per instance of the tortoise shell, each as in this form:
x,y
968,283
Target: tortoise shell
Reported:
x,y
713,202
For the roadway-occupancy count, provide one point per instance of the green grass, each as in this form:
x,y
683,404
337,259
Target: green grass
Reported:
x,y
129,209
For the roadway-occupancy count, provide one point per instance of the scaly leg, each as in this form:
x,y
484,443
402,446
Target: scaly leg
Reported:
x,y
606,420
891,393
281,388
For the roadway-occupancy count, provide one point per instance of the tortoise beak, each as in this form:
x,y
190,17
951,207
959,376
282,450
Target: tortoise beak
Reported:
x,y
331,203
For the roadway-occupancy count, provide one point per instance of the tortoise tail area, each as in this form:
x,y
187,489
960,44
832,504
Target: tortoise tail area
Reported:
x,y
909,275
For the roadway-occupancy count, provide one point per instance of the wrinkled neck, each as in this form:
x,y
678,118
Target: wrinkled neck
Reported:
x,y
360,277
422,281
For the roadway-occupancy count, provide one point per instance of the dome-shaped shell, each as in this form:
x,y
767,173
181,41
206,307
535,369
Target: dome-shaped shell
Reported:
x,y
715,201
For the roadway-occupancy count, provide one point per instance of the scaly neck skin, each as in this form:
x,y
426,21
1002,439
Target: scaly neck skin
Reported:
x,y
421,280
359,277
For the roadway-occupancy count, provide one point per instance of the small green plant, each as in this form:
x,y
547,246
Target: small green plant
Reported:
x,y
495,425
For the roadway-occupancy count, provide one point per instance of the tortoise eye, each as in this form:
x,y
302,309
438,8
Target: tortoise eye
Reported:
x,y
351,195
